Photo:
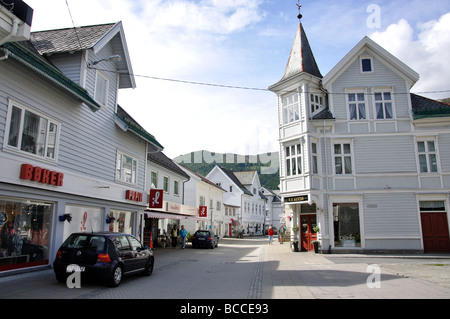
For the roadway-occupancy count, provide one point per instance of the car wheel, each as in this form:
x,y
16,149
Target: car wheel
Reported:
x,y
149,267
116,276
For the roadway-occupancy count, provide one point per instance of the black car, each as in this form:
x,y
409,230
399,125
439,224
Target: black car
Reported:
x,y
205,238
103,255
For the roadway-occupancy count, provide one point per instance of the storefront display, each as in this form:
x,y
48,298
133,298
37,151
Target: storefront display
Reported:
x,y
83,219
25,232
121,221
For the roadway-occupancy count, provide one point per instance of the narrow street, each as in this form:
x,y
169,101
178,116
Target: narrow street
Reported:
x,y
249,268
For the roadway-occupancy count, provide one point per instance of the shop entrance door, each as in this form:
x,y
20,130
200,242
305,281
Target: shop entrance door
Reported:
x,y
308,235
435,232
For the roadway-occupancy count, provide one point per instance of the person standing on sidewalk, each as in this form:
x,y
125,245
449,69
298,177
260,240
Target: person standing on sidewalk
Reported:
x,y
282,233
183,234
270,233
174,236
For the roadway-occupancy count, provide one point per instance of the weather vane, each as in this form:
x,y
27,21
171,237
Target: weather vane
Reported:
x,y
299,6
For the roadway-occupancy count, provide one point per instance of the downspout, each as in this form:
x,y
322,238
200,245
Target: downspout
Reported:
x,y
14,31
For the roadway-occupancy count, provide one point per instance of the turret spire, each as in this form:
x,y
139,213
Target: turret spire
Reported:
x,y
299,6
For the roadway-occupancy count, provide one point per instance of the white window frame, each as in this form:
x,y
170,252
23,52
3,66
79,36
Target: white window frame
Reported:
x,y
290,105
357,93
315,157
426,154
155,174
342,156
294,160
103,99
361,59
20,132
176,187
316,102
121,172
166,184
383,102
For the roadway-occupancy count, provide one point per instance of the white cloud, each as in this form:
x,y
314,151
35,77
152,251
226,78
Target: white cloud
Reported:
x,y
425,49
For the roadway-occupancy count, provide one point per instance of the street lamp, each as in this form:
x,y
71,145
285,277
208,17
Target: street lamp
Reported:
x,y
112,58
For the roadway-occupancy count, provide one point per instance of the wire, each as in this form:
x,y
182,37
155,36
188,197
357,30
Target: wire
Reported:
x,y
76,32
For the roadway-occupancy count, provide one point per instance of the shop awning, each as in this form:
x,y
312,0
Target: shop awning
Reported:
x,y
164,215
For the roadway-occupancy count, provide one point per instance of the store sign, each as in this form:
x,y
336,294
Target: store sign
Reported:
x,y
202,211
134,196
41,175
295,199
156,198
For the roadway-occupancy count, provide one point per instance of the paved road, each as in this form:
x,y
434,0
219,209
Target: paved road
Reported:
x,y
251,269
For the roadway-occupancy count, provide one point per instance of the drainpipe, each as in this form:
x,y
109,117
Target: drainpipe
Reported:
x,y
14,31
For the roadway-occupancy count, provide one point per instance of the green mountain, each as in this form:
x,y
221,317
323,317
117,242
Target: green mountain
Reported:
x,y
266,164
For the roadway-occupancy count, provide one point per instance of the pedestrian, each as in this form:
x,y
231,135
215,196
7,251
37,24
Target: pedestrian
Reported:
x,y
183,234
282,233
174,236
270,233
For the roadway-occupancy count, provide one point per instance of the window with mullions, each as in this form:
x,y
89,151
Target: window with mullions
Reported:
x,y
357,106
343,159
126,168
294,160
291,112
32,133
427,156
383,104
314,158
316,102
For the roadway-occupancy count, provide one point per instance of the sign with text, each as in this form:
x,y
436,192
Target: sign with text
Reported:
x,y
203,211
295,199
156,198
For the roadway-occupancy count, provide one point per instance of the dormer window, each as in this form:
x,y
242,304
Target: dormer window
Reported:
x,y
366,65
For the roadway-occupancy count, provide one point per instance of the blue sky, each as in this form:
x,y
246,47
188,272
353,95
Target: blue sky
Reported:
x,y
245,43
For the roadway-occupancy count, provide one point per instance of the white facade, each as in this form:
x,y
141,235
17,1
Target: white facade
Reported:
x,y
358,161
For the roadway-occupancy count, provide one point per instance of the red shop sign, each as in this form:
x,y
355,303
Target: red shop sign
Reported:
x,y
156,198
134,196
203,211
41,175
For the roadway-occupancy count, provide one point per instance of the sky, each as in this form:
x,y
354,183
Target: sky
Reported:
x,y
245,44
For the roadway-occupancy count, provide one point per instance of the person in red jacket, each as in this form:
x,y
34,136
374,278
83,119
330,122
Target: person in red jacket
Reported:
x,y
270,233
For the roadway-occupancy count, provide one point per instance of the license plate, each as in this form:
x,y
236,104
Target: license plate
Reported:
x,y
201,239
76,268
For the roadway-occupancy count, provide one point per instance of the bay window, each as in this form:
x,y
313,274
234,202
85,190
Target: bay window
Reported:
x,y
294,160
291,111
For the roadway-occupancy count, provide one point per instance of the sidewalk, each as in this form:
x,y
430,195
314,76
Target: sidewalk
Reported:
x,y
305,275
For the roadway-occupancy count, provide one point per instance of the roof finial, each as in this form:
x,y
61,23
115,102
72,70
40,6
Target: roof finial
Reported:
x,y
299,6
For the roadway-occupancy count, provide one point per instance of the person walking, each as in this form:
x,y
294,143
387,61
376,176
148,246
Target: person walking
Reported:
x,y
183,235
174,236
270,233
282,233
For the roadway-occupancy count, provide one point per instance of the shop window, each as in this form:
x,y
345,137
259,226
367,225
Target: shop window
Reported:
x,y
346,225
121,222
25,232
31,133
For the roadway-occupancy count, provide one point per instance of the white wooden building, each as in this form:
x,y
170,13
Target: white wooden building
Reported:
x,y
361,157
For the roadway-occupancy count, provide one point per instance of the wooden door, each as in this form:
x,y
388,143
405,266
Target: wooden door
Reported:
x,y
435,232
308,235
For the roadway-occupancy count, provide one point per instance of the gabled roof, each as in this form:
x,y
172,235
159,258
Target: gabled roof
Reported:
x,y
25,53
202,178
94,38
235,180
423,107
246,177
383,55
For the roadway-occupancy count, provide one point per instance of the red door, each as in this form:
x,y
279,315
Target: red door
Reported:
x,y
307,233
435,232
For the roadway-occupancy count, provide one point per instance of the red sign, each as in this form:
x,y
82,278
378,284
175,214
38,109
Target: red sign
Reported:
x,y
41,175
156,198
202,211
134,196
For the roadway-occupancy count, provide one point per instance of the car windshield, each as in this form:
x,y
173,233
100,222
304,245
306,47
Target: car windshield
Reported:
x,y
85,241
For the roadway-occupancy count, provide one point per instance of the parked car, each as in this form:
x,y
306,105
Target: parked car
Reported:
x,y
205,238
103,255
